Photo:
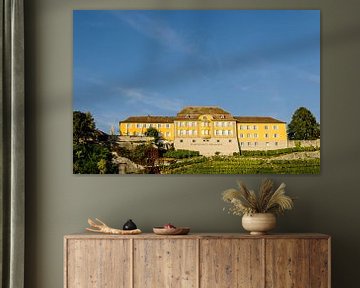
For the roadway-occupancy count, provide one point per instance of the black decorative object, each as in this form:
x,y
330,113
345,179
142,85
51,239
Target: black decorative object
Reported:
x,y
129,225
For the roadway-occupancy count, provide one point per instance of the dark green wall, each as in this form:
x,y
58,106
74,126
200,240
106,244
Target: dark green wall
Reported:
x,y
59,203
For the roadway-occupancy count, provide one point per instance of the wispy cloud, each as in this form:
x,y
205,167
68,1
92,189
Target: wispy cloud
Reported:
x,y
152,99
88,77
305,74
311,77
158,30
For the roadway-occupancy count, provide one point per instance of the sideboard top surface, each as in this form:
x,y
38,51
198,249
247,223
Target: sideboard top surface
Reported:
x,y
87,235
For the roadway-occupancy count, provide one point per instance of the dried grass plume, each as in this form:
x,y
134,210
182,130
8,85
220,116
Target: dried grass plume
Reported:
x,y
267,200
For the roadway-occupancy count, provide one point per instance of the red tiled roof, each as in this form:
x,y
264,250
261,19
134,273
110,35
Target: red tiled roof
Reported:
x,y
193,112
256,119
149,119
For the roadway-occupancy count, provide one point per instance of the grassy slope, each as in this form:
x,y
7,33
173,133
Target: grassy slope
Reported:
x,y
243,165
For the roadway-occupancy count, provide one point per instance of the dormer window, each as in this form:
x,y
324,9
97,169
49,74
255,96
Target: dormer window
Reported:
x,y
222,116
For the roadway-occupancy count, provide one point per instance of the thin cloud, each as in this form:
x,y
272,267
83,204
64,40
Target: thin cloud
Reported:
x,y
158,31
305,75
314,78
89,79
151,99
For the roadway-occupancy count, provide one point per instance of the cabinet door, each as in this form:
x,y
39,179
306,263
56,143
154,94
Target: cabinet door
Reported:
x,y
297,263
320,263
165,263
98,263
231,263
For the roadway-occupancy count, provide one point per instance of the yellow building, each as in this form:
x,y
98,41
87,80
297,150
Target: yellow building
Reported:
x,y
261,133
138,125
211,130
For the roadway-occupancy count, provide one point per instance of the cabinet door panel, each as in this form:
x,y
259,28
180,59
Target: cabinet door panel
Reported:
x,y
166,263
231,263
319,263
287,263
98,263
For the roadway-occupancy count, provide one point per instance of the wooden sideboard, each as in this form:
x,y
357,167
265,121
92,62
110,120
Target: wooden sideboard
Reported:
x,y
197,260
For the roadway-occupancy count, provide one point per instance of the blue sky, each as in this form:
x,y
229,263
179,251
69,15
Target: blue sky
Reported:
x,y
249,62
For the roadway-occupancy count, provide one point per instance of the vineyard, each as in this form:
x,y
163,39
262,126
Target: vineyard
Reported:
x,y
243,165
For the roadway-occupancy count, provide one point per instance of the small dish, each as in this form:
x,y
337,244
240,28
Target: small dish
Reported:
x,y
171,231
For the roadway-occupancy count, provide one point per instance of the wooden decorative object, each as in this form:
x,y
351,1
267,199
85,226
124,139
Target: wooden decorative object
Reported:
x,y
259,223
101,227
197,261
171,231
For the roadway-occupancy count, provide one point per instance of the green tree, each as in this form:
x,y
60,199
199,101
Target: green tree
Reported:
x,y
83,127
152,132
92,158
303,125
91,154
146,155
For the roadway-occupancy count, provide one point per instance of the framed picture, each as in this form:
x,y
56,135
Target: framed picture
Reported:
x,y
196,92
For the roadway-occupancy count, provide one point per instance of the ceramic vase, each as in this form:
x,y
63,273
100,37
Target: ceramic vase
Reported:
x,y
259,223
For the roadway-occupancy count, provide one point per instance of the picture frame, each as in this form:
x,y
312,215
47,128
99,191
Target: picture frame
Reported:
x,y
144,100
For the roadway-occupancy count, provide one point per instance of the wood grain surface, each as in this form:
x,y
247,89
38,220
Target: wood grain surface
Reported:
x,y
231,263
287,263
165,263
320,263
197,261
98,263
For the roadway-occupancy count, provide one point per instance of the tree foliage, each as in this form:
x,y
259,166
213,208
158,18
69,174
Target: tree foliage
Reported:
x,y
153,132
83,127
146,155
181,154
92,158
303,125
90,154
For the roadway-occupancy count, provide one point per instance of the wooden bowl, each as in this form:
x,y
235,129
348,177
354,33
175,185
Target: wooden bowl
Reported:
x,y
171,231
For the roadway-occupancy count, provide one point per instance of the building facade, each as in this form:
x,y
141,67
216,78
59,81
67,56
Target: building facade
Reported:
x,y
211,130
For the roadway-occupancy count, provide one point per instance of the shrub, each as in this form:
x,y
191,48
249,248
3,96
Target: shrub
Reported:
x,y
181,154
145,154
278,152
